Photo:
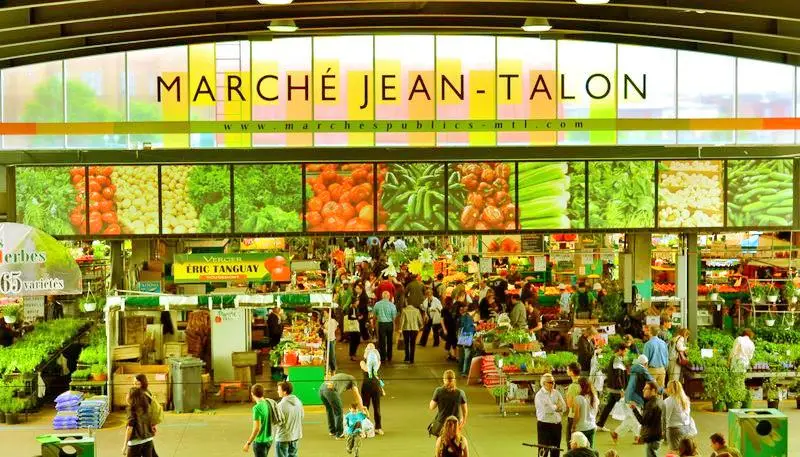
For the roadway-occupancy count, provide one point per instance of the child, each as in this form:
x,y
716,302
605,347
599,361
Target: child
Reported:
x,y
611,453
353,429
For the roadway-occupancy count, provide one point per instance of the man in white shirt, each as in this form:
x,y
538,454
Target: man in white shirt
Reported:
x,y
549,407
432,312
330,326
743,350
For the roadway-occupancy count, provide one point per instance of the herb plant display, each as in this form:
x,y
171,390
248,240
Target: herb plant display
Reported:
x,y
551,195
267,198
760,193
27,354
340,197
195,199
51,199
481,196
621,194
413,197
690,193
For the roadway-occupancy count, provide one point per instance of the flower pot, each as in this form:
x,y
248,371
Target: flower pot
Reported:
x,y
714,296
99,377
523,347
12,418
10,319
770,322
774,404
772,298
718,406
89,307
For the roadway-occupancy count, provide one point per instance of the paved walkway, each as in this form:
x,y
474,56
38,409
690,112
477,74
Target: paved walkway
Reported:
x,y
221,433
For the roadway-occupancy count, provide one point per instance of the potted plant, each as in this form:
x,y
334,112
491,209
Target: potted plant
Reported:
x,y
772,293
759,294
713,293
99,373
771,394
795,389
12,313
790,292
14,407
715,384
498,392
520,340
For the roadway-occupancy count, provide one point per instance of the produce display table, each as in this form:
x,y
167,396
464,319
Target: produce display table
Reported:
x,y
306,381
94,387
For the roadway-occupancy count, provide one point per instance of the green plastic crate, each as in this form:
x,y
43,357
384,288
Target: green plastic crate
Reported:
x,y
306,382
759,432
77,444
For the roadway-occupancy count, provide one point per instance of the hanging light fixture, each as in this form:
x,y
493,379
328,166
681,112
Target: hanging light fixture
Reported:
x,y
536,24
282,25
275,2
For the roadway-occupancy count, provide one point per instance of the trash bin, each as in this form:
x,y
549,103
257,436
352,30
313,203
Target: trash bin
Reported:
x,y
67,445
187,383
759,432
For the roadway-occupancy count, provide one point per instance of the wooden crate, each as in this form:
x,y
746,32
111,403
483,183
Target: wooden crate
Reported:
x,y
127,352
244,359
244,375
135,329
175,349
157,380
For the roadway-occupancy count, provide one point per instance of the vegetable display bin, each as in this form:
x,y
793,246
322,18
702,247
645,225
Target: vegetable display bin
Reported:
x,y
759,432
306,381
187,383
73,445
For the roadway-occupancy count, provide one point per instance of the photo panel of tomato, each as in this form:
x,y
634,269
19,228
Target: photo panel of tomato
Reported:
x,y
52,199
195,199
480,196
340,197
411,197
123,199
552,195
268,198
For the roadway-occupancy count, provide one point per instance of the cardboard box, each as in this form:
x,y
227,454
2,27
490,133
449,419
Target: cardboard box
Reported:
x,y
175,349
157,380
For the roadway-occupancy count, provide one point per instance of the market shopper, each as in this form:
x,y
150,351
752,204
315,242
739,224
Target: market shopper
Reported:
x,y
451,443
261,435
721,448
534,317
634,393
743,350
487,305
354,429
344,298
687,448
466,332
586,405
274,326
550,406
574,389
362,303
139,430
447,400
580,446
330,392
385,313
586,349
617,381
432,308
657,354
371,386
677,415
386,285
352,322
410,324
450,329
677,353
650,419
518,315
665,330
289,432
415,292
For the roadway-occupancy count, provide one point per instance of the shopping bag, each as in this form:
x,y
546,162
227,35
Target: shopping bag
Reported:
x,y
350,325
620,410
368,428
465,338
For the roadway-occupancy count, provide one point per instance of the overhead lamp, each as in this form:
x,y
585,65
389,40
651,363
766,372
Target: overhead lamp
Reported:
x,y
591,2
282,25
275,2
536,24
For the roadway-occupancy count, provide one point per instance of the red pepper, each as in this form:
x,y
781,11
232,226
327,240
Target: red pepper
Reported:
x,y
487,175
492,216
469,217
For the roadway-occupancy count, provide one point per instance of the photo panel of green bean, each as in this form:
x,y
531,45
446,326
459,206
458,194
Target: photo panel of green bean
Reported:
x,y
268,198
690,193
52,199
760,193
622,194
195,199
552,195
480,196
412,197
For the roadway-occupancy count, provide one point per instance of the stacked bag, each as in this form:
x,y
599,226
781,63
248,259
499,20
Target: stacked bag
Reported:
x,y
490,374
93,412
67,405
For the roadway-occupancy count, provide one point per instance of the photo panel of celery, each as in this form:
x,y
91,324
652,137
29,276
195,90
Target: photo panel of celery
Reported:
x,y
551,195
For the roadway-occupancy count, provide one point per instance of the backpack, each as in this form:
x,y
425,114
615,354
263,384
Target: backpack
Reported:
x,y
155,411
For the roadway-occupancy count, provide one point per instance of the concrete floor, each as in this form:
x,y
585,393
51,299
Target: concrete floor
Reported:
x,y
222,432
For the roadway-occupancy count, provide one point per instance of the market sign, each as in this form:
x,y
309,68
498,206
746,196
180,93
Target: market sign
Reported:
x,y
255,267
33,263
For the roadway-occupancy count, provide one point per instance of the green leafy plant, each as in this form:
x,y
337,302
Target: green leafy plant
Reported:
x,y
561,359
276,354
771,391
15,311
759,292
715,380
46,338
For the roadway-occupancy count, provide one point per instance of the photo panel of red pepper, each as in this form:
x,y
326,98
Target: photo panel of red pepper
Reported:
x,y
481,196
552,195
411,197
52,199
340,197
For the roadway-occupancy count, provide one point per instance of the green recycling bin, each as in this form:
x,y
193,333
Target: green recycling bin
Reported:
x,y
187,383
67,445
759,432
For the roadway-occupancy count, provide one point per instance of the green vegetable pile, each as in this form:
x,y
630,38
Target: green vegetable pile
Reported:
x,y
413,195
45,199
551,195
268,198
760,192
210,193
26,355
621,194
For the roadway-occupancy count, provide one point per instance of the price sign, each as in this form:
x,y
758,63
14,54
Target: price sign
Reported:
x,y
539,263
486,265
587,259
533,242
34,308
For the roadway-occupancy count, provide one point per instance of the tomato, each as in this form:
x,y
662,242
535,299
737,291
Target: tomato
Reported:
x,y
313,219
330,209
329,167
279,260
334,223
77,179
360,206
366,214
279,273
347,211
345,197
351,225
95,196
94,186
329,176
324,197
77,219
94,206
109,217
108,193
469,217
336,191
360,193
106,171
106,206
93,171
103,180
112,229
95,215
364,226
348,182
77,171
319,188
314,205
95,225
